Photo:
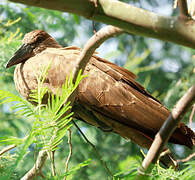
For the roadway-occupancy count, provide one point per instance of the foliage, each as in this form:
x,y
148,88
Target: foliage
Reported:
x,y
50,124
158,173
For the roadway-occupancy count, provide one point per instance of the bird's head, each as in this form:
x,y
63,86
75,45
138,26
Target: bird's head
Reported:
x,y
33,43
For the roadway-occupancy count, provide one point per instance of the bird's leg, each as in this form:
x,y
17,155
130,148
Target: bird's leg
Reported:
x,y
93,120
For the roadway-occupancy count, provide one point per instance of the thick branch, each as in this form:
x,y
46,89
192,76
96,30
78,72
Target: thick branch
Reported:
x,y
132,19
168,127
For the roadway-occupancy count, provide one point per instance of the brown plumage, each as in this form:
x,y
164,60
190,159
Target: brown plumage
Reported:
x,y
108,98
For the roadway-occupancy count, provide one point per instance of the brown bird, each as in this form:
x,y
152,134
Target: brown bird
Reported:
x,y
108,98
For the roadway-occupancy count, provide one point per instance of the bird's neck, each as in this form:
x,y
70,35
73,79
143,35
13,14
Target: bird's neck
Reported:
x,y
51,42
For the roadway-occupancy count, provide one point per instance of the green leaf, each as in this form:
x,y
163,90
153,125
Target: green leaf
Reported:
x,y
77,167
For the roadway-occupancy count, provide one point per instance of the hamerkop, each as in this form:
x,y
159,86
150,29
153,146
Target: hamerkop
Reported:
x,y
108,98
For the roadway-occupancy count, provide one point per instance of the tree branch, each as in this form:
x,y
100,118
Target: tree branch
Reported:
x,y
36,170
167,129
191,116
52,158
93,43
127,17
70,152
183,9
187,158
6,149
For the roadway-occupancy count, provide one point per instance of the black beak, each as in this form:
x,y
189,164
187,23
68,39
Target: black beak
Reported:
x,y
21,55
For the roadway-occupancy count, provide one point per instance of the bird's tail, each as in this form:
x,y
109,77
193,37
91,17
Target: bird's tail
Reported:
x,y
183,135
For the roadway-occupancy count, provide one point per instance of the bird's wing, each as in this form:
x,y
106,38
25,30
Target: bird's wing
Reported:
x,y
114,95
123,71
127,77
105,90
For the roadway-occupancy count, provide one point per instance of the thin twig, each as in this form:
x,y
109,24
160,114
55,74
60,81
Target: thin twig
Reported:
x,y
42,175
52,157
36,170
167,129
70,152
6,149
191,116
34,158
94,29
93,146
187,158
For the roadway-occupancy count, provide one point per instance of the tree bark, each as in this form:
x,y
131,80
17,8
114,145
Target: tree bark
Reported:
x,y
132,19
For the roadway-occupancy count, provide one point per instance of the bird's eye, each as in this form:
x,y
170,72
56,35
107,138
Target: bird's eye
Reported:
x,y
39,39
